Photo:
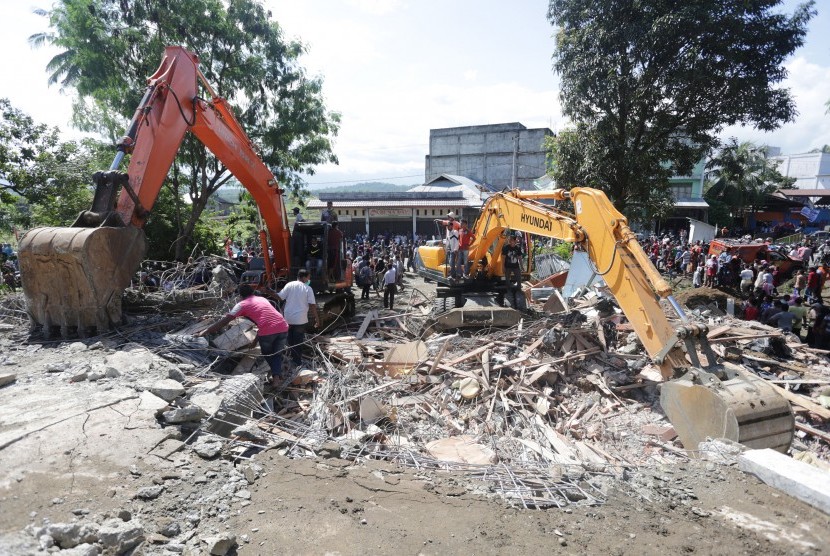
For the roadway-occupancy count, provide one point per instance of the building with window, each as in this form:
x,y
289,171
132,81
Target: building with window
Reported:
x,y
688,199
499,155
810,170
408,213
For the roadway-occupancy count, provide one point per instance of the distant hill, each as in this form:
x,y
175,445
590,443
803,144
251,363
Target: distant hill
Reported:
x,y
365,187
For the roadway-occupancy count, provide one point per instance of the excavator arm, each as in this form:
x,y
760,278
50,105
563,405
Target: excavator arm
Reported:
x,y
603,232
710,402
73,277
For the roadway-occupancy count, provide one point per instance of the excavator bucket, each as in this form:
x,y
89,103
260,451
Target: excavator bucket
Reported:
x,y
73,278
743,408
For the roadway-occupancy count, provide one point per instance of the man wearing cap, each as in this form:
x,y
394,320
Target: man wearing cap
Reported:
x,y
453,238
464,241
328,214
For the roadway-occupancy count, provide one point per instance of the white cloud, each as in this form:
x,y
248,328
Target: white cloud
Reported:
x,y
376,7
470,75
807,82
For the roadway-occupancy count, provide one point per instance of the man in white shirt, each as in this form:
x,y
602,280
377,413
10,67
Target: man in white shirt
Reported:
x,y
390,286
747,277
299,301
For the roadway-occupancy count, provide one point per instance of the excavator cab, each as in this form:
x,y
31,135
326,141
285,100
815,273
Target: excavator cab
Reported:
x,y
329,269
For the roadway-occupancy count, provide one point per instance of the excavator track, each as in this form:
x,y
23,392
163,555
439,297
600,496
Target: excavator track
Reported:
x,y
743,408
73,278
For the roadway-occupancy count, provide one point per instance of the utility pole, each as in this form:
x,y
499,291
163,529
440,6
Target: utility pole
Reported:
x,y
515,157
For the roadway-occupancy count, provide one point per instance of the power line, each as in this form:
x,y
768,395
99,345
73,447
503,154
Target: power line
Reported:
x,y
363,180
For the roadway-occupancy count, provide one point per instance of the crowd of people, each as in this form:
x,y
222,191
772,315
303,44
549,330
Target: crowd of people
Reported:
x,y
757,282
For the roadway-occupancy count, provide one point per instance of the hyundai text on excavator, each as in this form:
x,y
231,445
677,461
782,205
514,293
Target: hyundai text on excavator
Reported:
x,y
700,400
73,278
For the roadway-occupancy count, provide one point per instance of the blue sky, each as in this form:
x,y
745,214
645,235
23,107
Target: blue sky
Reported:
x,y
395,69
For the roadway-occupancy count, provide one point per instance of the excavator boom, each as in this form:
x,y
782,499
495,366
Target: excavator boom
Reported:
x,y
703,402
73,277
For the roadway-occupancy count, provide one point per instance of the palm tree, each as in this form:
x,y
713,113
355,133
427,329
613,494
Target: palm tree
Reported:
x,y
740,175
62,67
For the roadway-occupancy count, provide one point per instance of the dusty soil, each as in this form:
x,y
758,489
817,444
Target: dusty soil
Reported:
x,y
79,452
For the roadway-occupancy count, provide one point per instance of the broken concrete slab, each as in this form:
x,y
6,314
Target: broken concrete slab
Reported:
x,y
461,449
238,336
798,479
132,359
120,536
184,414
209,402
220,544
7,378
240,396
208,447
167,389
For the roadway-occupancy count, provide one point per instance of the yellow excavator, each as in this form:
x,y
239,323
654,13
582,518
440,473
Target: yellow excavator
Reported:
x,y
700,399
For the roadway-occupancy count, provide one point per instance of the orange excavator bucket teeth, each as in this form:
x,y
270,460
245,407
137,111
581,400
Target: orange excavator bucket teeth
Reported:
x,y
73,278
743,408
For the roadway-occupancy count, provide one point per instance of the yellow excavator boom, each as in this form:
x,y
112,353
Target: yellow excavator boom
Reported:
x,y
714,402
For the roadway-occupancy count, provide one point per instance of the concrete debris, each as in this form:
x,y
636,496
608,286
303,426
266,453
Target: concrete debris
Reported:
x,y
798,479
120,536
721,450
150,492
188,414
208,447
167,389
219,545
546,413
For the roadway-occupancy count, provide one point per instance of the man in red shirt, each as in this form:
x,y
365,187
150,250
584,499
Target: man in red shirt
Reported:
x,y
272,329
813,285
334,243
464,241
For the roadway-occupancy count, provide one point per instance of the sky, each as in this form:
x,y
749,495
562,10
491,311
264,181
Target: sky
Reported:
x,y
394,69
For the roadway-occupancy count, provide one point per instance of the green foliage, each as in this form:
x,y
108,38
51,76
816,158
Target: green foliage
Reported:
x,y
241,225
49,180
650,84
564,250
162,230
738,177
110,47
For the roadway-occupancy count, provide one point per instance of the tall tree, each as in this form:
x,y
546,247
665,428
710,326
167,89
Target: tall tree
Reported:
x,y
109,47
43,181
649,84
739,176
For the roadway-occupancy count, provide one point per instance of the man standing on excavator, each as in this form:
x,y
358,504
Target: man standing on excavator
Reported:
x,y
511,254
453,237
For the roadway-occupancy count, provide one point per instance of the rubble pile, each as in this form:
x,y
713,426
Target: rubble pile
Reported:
x,y
552,412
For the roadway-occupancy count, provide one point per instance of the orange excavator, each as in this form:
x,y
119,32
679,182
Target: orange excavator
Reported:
x,y
73,278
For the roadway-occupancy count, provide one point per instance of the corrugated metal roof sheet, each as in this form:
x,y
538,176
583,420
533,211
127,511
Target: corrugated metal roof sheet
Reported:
x,y
423,203
698,203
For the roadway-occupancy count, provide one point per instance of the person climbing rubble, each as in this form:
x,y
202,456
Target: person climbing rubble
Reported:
x,y
272,328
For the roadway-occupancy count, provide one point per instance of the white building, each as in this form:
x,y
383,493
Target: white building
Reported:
x,y
810,170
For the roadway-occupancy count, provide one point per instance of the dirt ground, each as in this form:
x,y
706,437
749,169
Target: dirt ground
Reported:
x,y
80,453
